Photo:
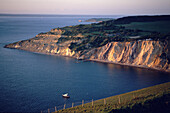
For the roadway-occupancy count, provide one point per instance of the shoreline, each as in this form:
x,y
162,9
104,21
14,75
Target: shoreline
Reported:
x,y
137,66
95,60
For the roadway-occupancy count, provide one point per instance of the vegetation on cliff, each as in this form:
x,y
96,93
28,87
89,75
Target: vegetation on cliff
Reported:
x,y
99,34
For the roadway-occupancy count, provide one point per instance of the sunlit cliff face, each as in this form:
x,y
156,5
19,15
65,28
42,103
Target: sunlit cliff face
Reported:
x,y
138,53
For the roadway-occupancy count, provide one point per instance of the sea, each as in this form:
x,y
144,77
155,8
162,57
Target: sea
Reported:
x,y
32,82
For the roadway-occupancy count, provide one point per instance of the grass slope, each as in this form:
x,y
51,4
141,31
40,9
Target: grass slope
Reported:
x,y
158,26
155,99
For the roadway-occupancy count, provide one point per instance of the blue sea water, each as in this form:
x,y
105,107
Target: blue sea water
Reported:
x,y
31,82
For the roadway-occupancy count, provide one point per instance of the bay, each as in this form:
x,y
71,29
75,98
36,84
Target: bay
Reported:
x,y
31,82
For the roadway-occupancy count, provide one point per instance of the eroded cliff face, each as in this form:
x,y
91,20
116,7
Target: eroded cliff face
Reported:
x,y
149,54
45,43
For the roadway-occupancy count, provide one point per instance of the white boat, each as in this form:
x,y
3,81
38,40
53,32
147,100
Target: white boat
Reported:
x,y
66,95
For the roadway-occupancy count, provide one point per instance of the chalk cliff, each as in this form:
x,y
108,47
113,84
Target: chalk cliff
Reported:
x,y
141,53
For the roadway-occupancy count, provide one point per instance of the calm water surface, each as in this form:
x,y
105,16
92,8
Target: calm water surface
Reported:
x,y
34,82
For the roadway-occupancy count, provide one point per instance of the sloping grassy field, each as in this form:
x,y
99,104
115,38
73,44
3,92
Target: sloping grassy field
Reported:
x,y
155,99
159,26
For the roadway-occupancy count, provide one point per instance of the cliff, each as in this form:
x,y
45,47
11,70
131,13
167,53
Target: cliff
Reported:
x,y
108,41
149,54
145,53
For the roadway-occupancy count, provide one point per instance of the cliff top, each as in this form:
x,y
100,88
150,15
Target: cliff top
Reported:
x,y
121,30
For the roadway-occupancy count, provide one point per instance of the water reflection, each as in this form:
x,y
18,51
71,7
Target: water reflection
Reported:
x,y
140,77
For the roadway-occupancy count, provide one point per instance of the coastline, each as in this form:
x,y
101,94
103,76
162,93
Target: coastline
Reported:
x,y
145,53
95,60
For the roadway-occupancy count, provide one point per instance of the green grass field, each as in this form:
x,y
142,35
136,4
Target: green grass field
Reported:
x,y
159,26
153,99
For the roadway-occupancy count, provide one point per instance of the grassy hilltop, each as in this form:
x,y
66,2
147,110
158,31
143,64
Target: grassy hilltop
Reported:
x,y
155,99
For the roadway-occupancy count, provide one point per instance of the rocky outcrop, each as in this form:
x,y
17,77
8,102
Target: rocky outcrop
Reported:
x,y
149,54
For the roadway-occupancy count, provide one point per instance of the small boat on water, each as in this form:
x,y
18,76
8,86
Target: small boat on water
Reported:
x,y
66,95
